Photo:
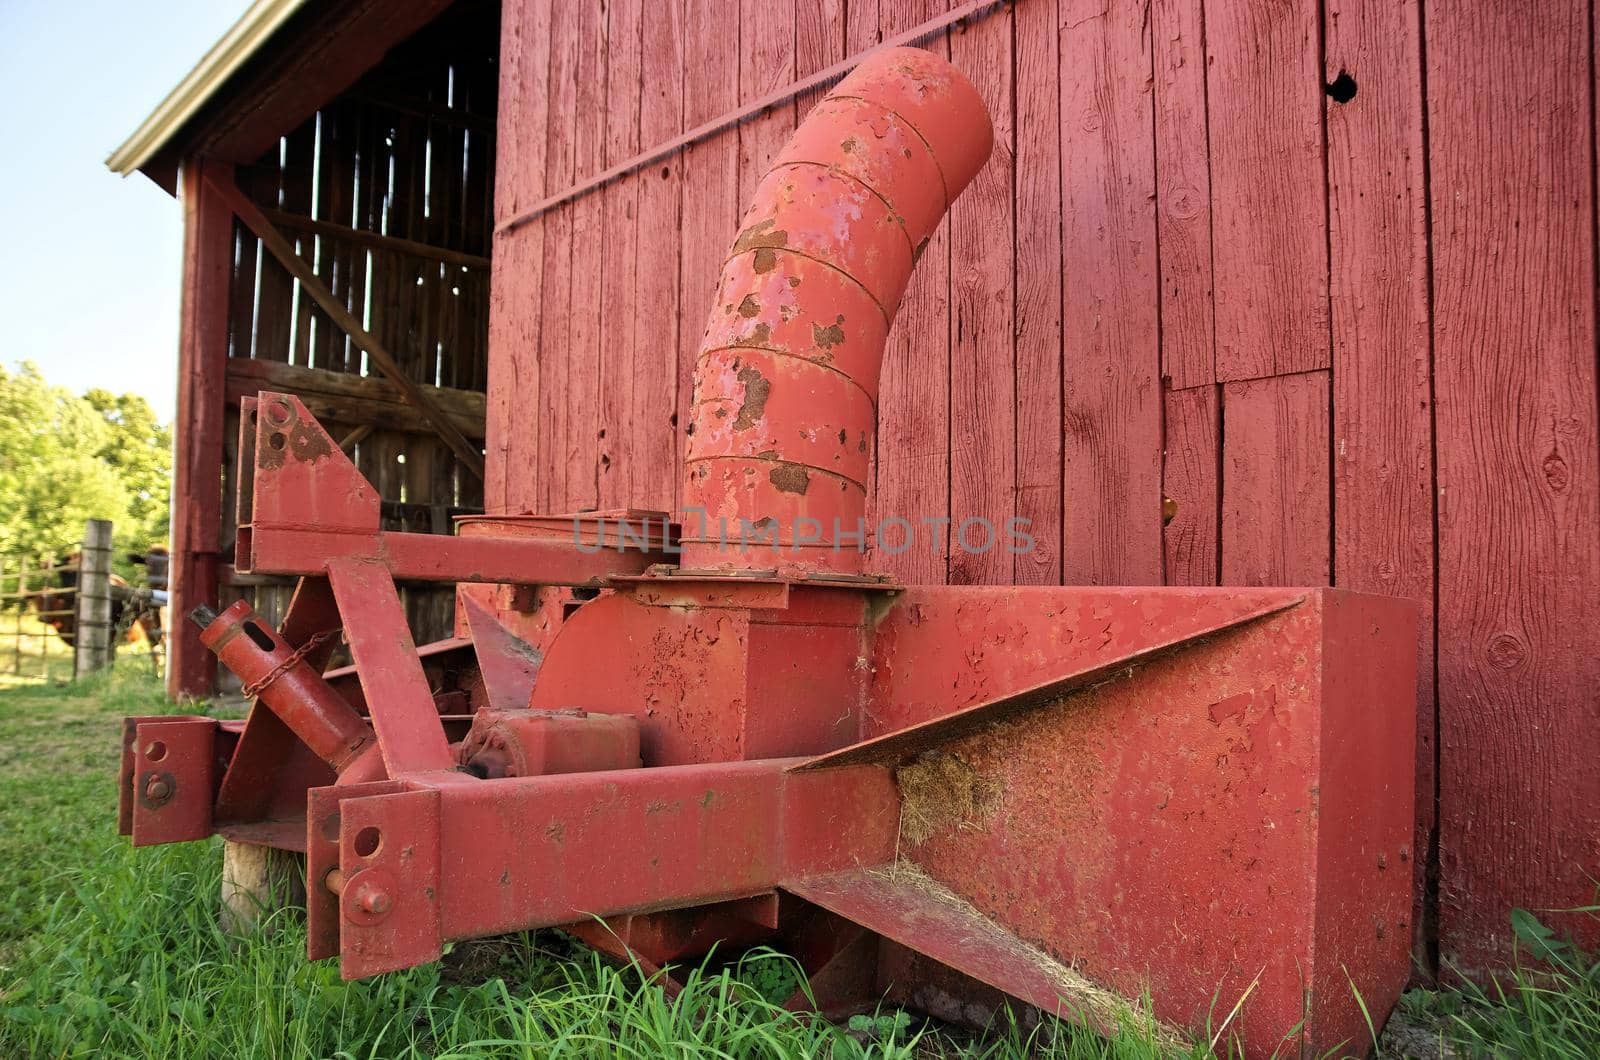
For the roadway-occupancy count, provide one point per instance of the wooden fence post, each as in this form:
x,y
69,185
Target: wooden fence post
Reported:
x,y
92,640
22,607
256,882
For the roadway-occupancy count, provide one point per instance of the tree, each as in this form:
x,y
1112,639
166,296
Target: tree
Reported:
x,y
65,459
140,451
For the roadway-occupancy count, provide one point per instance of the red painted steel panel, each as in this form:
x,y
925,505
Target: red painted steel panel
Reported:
x,y
1016,639
174,763
1510,144
916,911
1275,481
1111,402
390,854
1268,187
1155,829
694,834
1382,388
392,682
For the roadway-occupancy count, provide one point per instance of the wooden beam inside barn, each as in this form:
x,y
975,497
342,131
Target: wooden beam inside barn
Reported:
x,y
355,399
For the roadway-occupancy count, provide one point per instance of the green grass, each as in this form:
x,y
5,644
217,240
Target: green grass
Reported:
x,y
107,951
30,651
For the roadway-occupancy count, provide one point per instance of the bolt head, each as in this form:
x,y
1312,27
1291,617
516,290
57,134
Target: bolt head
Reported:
x,y
375,901
157,789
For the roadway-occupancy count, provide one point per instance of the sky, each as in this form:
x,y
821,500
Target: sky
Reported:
x,y
89,278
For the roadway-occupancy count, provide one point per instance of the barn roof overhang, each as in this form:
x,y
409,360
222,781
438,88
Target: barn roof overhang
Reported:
x,y
273,69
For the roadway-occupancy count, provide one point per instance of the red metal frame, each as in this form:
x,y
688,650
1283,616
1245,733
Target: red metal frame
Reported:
x,y
942,795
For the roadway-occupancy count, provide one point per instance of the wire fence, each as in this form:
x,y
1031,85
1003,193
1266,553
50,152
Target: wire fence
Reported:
x,y
62,616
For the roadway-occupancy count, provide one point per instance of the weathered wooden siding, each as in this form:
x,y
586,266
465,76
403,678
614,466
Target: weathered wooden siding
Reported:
x,y
386,192
1194,283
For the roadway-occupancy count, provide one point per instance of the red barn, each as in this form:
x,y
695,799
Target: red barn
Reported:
x,y
1263,294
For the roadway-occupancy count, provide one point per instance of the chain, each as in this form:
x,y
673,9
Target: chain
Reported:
x,y
317,640
133,608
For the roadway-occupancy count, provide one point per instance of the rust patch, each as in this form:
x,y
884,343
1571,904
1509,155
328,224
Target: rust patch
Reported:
x,y
749,307
851,146
794,281
272,455
765,260
940,791
828,337
756,390
307,443
761,234
301,440
790,478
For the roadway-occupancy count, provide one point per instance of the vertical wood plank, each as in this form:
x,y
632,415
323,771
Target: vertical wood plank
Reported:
x,y
912,463
1382,387
299,197
983,423
1275,518
1268,202
1038,300
1511,142
710,178
652,431
619,317
819,31
335,151
1111,491
555,345
242,307
1189,482
579,441
513,473
202,364
767,35
275,288
1183,194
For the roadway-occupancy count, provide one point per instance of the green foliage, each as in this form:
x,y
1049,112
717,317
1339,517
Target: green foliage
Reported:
x,y
1547,1007
66,459
140,451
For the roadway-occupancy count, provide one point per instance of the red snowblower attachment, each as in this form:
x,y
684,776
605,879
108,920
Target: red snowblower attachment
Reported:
x,y
723,730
